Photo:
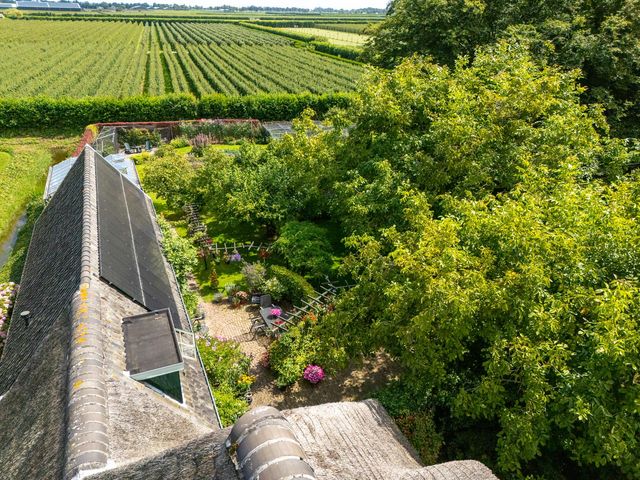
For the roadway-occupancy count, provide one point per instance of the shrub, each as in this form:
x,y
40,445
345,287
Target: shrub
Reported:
x,y
292,353
138,136
191,301
274,288
225,364
305,247
213,278
294,286
255,275
230,406
7,295
180,252
140,158
20,113
421,431
179,142
313,374
199,143
221,131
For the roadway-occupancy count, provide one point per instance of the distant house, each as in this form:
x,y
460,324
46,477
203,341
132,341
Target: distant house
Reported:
x,y
100,377
7,6
59,6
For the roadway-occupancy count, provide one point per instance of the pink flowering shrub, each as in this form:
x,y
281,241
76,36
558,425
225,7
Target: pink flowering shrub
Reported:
x,y
313,373
7,295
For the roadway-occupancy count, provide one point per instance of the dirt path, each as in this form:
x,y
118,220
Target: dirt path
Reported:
x,y
354,383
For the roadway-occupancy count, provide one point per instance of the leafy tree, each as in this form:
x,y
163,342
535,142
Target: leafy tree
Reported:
x,y
600,38
171,177
468,130
305,247
517,308
290,179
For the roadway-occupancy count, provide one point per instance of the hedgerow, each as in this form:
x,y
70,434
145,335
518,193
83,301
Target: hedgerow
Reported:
x,y
42,112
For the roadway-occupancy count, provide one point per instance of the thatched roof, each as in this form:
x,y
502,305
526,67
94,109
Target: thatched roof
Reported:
x,y
346,441
67,403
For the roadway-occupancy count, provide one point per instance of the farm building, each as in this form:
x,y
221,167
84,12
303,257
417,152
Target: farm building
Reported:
x,y
64,6
100,377
7,6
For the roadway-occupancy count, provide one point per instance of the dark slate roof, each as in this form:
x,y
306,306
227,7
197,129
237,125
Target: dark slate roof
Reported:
x,y
50,277
67,402
150,343
32,413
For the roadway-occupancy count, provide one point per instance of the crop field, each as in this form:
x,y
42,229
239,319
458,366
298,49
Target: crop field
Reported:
x,y
92,58
344,27
337,38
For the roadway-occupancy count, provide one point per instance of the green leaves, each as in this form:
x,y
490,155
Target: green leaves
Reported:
x,y
599,38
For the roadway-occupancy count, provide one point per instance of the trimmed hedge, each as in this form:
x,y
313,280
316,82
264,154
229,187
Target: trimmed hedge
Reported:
x,y
41,112
349,53
295,285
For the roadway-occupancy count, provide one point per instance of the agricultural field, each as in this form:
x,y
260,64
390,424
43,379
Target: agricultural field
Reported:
x,y
122,59
344,27
347,39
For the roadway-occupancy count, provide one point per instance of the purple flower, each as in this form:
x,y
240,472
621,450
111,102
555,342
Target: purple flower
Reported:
x,y
313,373
236,257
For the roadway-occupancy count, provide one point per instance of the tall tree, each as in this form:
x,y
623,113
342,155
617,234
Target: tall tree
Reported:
x,y
600,38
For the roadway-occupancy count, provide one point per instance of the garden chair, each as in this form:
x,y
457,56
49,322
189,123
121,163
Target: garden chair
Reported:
x,y
265,301
127,148
148,146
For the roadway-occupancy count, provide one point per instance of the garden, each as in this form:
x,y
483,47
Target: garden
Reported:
x,y
228,267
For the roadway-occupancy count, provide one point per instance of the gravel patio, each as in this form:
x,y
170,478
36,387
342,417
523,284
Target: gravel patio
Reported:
x,y
355,383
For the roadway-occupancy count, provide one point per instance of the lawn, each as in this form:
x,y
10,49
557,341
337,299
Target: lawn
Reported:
x,y
24,163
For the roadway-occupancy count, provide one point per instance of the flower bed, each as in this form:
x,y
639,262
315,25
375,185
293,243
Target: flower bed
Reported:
x,y
227,369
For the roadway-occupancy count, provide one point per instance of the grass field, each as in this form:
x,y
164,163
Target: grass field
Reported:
x,y
24,163
129,58
347,39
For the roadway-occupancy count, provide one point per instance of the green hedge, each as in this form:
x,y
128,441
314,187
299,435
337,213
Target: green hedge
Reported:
x,y
295,285
23,113
337,50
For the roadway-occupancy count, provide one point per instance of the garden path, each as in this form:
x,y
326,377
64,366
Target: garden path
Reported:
x,y
357,382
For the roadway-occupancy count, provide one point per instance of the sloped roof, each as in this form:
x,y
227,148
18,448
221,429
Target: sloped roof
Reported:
x,y
59,171
346,441
50,277
63,378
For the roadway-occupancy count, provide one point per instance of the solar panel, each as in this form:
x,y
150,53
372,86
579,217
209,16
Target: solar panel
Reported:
x,y
153,273
130,256
118,263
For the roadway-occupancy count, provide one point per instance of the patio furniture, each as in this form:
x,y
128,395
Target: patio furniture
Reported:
x,y
148,146
265,301
127,148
